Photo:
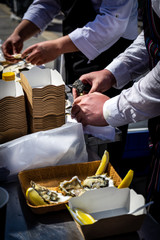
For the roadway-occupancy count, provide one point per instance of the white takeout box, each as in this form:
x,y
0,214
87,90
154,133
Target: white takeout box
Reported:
x,y
110,207
39,78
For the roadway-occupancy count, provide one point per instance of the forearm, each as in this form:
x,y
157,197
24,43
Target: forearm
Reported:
x,y
26,29
65,45
138,103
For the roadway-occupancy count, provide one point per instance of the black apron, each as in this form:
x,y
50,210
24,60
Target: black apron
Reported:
x,y
76,14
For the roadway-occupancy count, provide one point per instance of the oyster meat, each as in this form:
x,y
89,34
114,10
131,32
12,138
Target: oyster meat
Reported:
x,y
48,195
72,187
97,181
17,56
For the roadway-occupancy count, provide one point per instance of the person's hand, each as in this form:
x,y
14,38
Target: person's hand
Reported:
x,y
41,53
12,45
47,51
100,81
88,109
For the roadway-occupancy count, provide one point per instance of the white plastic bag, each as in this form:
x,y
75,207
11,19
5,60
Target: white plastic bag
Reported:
x,y
63,145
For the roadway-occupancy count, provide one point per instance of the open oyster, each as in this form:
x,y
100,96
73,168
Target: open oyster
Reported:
x,y
96,181
72,187
17,56
48,195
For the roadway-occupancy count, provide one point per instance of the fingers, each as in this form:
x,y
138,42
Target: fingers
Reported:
x,y
8,52
29,54
78,114
75,110
35,55
74,93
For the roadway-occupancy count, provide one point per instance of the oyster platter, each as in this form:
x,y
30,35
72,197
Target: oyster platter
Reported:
x,y
55,185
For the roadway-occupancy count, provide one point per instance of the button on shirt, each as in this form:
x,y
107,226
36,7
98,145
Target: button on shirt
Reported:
x,y
142,100
114,19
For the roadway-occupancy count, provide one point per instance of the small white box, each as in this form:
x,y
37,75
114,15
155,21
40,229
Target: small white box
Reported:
x,y
110,207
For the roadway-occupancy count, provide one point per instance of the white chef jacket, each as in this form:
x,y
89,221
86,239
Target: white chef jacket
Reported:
x,y
115,19
142,100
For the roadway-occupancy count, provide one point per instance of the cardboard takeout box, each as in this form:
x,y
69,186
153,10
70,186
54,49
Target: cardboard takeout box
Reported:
x,y
110,207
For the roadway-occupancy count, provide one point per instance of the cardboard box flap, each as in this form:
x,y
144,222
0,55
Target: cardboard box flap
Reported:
x,y
10,89
108,202
39,78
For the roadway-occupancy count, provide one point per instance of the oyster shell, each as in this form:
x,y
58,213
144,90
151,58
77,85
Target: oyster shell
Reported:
x,y
72,187
48,195
81,87
96,181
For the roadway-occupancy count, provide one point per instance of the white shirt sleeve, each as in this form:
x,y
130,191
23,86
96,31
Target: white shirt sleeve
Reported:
x,y
130,64
114,20
41,12
140,102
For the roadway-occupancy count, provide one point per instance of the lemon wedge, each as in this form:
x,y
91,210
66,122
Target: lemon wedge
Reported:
x,y
127,180
34,198
73,214
104,162
84,217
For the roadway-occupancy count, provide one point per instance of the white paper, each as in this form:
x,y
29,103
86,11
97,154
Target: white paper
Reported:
x,y
103,133
63,145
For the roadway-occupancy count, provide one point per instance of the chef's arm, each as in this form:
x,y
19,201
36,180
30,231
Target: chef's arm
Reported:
x,y
130,64
26,29
14,42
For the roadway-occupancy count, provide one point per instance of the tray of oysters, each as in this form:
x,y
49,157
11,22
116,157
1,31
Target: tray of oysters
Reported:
x,y
57,184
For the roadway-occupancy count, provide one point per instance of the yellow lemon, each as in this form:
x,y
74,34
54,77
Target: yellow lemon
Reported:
x,y
127,180
84,217
104,162
34,198
73,214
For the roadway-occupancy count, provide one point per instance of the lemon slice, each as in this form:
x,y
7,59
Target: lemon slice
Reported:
x,y
127,180
34,198
104,162
73,214
84,217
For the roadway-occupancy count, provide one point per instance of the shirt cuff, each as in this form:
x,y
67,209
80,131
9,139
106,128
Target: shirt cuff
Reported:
x,y
83,45
111,113
120,72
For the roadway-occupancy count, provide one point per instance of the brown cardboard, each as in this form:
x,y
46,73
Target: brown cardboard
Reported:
x,y
45,97
51,177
